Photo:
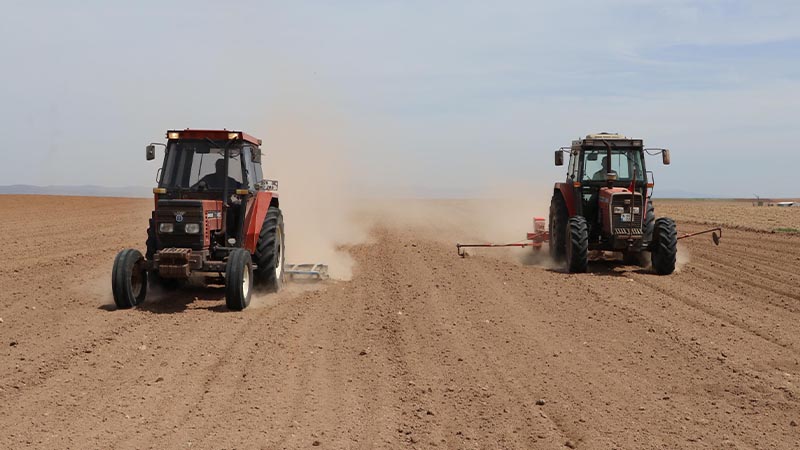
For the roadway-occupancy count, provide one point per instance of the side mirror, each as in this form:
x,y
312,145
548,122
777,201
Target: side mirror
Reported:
x,y
665,157
559,158
257,155
150,152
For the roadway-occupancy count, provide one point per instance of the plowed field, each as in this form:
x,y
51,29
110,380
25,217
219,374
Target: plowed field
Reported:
x,y
420,349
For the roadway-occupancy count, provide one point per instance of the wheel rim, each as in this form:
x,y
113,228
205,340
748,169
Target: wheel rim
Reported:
x,y
246,282
279,254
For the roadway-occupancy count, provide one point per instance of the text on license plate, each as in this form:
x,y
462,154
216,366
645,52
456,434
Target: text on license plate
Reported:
x,y
625,217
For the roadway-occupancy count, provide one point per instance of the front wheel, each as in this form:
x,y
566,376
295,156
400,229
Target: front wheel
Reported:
x,y
238,279
664,249
129,279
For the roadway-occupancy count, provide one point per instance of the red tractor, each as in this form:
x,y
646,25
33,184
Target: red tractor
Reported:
x,y
605,205
214,215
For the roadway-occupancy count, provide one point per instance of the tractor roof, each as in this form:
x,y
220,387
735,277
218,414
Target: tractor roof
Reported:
x,y
214,135
605,135
616,140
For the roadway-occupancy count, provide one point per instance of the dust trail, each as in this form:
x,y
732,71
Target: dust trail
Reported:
x,y
306,150
682,258
503,214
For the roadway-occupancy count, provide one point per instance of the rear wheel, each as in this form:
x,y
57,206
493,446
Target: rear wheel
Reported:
x,y
558,227
238,279
269,257
577,237
129,279
649,223
664,249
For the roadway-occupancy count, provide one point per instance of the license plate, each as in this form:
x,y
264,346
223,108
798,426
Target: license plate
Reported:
x,y
625,217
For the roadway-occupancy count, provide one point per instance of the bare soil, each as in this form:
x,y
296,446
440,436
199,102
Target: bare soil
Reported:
x,y
420,349
740,214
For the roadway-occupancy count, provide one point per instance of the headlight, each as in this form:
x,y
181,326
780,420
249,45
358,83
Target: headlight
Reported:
x,y
636,210
619,210
166,227
192,228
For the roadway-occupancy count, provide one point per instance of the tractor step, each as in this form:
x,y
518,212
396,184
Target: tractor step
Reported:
x,y
307,271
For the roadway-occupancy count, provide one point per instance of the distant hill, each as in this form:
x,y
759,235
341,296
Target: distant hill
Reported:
x,y
85,190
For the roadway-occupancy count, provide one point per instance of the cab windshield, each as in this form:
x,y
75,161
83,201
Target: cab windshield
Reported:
x,y
200,165
623,163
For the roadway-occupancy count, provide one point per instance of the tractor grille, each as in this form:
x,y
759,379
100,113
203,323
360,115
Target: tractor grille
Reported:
x,y
624,201
627,231
179,238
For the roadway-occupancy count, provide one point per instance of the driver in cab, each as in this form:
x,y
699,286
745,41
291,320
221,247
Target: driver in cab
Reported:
x,y
217,179
600,175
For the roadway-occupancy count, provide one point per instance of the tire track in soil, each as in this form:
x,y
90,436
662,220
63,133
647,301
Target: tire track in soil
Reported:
x,y
728,318
766,265
211,384
482,397
750,279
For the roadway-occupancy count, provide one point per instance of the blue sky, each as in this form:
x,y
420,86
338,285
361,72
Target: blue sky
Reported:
x,y
439,98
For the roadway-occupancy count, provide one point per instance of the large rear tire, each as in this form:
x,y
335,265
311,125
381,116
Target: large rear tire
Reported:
x,y
129,279
577,237
558,227
238,279
649,223
664,249
269,256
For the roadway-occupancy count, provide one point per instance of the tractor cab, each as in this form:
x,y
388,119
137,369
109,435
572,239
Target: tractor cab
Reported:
x,y
218,171
604,164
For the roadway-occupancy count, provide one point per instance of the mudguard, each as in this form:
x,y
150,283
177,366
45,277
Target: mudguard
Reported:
x,y
254,220
568,192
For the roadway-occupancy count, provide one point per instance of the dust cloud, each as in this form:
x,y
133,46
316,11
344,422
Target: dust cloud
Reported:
x,y
312,150
308,150
503,213
325,211
306,154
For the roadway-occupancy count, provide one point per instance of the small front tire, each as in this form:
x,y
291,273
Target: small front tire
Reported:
x,y
129,279
238,279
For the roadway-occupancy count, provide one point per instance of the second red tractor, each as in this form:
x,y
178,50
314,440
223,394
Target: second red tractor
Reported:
x,y
214,214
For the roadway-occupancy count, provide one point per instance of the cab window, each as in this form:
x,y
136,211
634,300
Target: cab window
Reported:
x,y
250,167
